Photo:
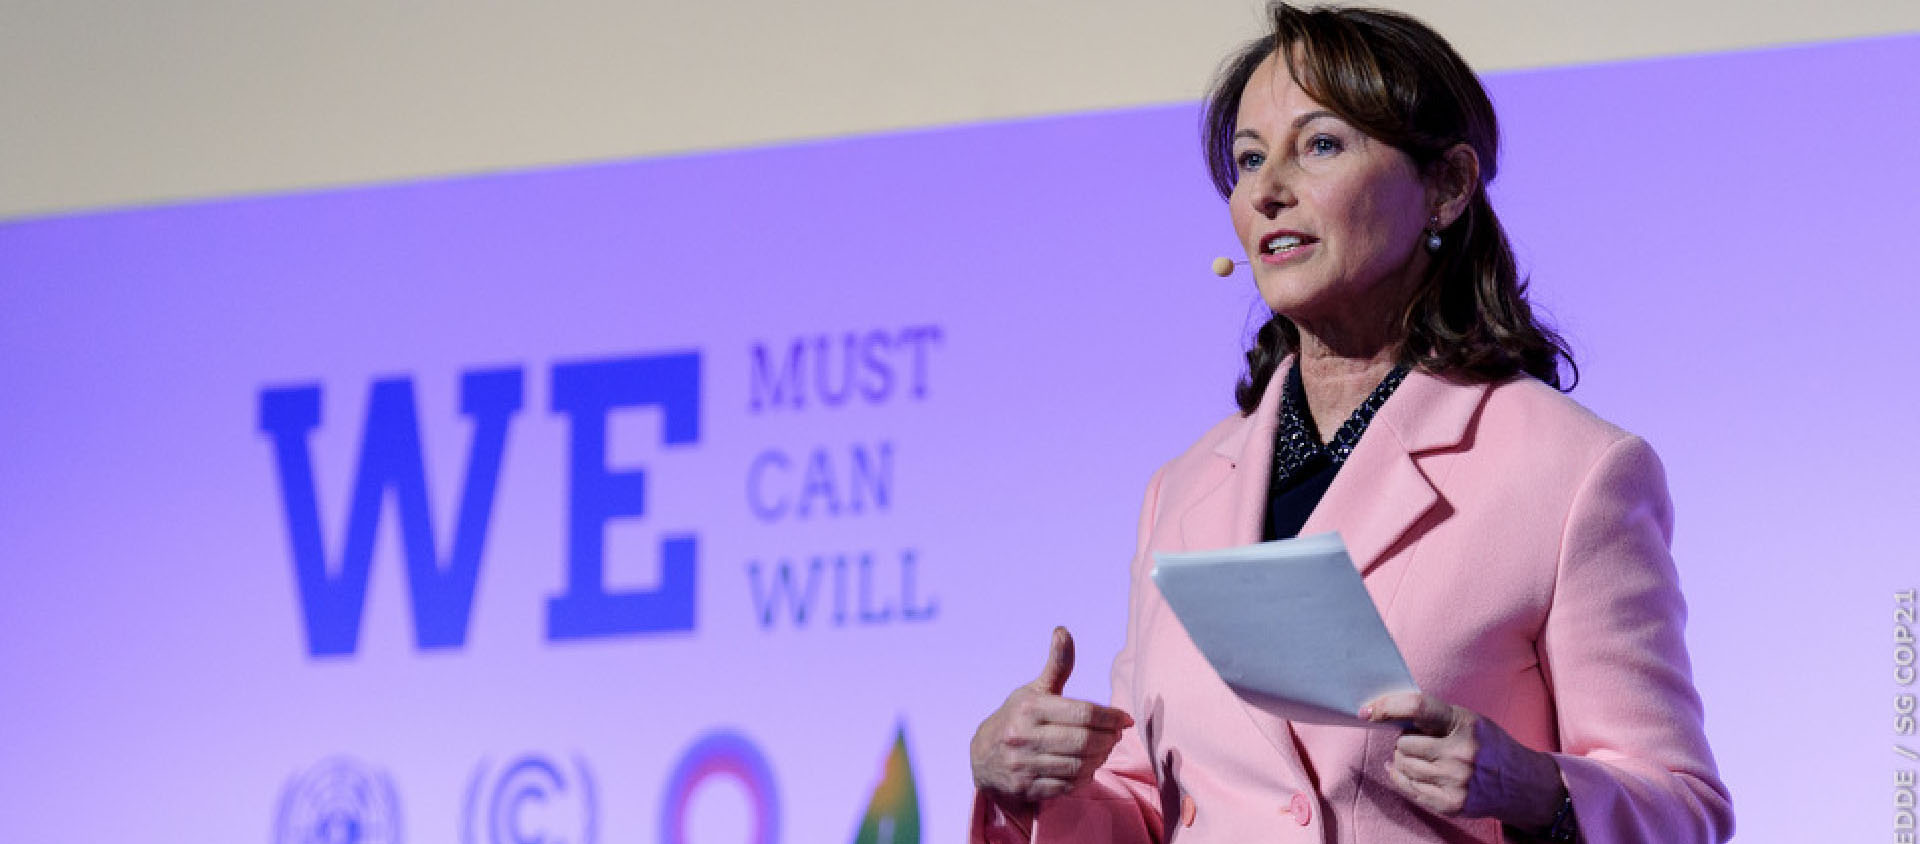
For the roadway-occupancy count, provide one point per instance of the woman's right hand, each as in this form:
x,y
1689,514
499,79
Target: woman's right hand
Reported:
x,y
1038,744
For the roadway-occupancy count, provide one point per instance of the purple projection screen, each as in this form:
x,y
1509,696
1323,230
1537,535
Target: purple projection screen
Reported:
x,y
717,498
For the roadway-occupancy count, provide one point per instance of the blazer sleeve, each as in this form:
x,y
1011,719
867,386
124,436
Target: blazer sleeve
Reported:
x,y
1633,748
1122,803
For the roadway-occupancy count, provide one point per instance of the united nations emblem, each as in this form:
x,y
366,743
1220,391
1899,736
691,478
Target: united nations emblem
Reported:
x,y
338,801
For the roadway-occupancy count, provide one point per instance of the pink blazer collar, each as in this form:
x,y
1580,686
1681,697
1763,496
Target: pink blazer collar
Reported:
x,y
1379,494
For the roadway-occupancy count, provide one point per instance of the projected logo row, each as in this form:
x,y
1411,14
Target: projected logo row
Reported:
x,y
541,798
803,375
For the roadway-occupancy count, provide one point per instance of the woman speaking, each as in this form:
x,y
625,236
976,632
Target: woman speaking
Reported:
x,y
1403,395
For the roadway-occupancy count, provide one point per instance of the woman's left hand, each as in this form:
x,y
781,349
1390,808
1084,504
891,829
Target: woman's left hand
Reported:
x,y
1453,762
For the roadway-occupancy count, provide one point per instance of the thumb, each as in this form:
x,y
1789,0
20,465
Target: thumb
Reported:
x,y
1053,678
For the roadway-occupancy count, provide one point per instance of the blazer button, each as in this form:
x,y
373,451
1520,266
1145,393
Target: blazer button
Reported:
x,y
1186,810
1302,809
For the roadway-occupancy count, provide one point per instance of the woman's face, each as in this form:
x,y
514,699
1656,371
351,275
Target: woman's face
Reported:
x,y
1331,219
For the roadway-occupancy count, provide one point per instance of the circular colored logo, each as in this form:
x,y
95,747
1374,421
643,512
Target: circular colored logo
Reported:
x,y
721,753
338,801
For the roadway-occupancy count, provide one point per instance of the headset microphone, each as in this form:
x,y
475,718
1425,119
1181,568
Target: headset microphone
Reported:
x,y
1224,267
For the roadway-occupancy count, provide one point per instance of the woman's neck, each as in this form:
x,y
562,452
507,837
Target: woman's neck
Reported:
x,y
1338,372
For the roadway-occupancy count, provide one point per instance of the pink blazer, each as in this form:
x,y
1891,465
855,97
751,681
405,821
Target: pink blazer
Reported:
x,y
1517,547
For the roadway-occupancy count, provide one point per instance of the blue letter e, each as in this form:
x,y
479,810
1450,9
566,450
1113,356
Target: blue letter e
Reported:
x,y
586,392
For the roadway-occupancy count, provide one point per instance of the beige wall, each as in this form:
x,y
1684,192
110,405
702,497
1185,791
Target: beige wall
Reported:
x,y
108,104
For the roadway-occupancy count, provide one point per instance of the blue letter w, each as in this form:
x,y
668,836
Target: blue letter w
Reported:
x,y
389,459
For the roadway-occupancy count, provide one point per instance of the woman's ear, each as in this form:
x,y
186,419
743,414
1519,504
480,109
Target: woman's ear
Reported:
x,y
1453,181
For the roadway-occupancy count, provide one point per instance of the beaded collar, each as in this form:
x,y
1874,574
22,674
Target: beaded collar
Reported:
x,y
1297,449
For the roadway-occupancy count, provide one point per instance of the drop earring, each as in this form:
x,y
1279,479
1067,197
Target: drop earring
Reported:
x,y
1433,233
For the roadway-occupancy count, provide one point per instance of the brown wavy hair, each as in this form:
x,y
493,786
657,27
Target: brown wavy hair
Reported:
x,y
1398,81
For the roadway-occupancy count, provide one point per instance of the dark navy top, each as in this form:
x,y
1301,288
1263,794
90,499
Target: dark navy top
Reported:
x,y
1303,467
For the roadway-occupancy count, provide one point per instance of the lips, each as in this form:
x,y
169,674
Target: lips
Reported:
x,y
1284,244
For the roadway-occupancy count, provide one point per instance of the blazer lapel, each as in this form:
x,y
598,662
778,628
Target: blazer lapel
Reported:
x,y
1378,496
1231,512
1382,492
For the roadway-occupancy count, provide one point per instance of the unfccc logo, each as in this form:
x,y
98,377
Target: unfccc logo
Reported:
x,y
532,800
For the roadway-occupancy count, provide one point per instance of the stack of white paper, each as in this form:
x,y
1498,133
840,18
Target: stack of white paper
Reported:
x,y
1288,625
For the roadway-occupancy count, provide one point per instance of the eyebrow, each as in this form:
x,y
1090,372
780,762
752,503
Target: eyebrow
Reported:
x,y
1298,122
